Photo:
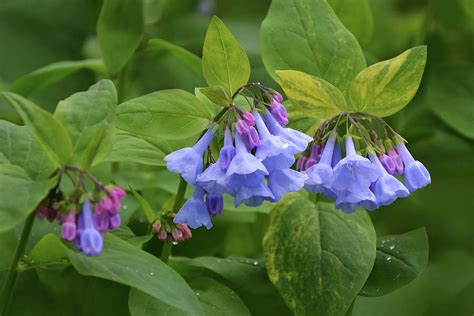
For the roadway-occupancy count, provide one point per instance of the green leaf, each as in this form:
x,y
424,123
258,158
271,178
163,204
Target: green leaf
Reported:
x,y
311,98
126,264
186,57
224,62
217,95
50,74
8,241
386,87
400,259
88,117
19,195
19,147
125,233
451,94
49,132
356,16
318,257
145,206
306,35
168,114
119,30
245,276
215,299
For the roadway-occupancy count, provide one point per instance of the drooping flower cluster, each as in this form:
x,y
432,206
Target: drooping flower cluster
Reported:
x,y
84,217
363,179
253,165
165,229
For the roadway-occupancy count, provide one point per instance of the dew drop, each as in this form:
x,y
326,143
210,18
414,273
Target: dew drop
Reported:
x,y
125,207
255,263
391,247
389,258
174,242
197,293
152,273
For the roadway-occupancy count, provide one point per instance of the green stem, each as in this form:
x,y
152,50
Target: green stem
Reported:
x,y
7,291
166,251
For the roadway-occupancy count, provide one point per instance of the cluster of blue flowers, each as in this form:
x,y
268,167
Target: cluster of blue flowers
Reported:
x,y
361,180
253,165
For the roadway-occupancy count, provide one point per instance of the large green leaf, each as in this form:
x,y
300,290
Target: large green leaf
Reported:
x,y
386,87
169,114
88,117
53,73
119,30
124,263
20,148
400,259
311,98
245,276
224,62
356,16
306,35
48,131
451,94
215,299
318,257
19,195
186,57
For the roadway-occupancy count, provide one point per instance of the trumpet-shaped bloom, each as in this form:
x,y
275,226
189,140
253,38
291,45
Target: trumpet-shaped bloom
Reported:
x,y
274,151
354,173
336,155
350,201
194,212
416,175
90,239
214,203
320,174
244,170
253,195
227,152
188,161
283,181
387,188
300,140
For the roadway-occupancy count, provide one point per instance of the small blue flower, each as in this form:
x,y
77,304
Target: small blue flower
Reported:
x,y
274,151
188,161
253,195
350,201
387,188
194,212
300,140
354,173
90,238
320,175
213,179
215,204
227,152
416,174
244,170
336,155
283,181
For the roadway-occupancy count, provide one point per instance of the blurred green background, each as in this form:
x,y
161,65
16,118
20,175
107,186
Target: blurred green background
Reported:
x,y
439,122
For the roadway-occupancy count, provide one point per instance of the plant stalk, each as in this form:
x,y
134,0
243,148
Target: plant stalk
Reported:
x,y
9,286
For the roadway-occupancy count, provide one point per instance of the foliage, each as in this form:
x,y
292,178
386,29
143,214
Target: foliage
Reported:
x,y
113,87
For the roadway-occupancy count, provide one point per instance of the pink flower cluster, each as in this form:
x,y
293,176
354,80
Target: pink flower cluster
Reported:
x,y
106,213
172,232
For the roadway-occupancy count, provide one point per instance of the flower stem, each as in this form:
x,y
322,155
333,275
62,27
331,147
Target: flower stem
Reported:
x,y
166,251
7,291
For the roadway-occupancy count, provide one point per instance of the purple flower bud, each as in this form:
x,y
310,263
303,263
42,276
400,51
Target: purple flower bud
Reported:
x,y
41,211
104,204
313,156
91,239
69,228
392,153
117,193
279,112
278,97
177,234
242,127
52,213
101,221
185,231
215,204
156,227
163,235
388,163
115,221
252,139
301,163
248,118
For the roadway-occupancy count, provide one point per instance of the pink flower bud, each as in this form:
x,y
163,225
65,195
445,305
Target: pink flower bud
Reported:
x,y
163,235
156,227
249,119
242,127
177,234
300,164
